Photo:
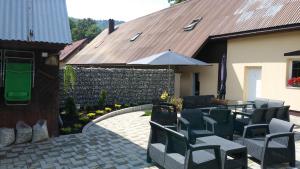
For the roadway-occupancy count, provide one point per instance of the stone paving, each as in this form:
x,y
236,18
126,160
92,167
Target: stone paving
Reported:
x,y
116,143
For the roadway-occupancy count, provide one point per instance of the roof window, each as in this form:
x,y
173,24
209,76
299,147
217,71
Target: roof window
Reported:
x,y
135,36
192,25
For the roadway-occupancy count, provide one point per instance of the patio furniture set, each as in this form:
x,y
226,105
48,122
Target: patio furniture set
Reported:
x,y
202,136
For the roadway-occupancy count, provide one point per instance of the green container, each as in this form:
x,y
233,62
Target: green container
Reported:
x,y
18,82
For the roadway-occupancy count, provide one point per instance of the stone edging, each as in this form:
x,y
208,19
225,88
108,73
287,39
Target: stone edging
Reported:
x,y
116,113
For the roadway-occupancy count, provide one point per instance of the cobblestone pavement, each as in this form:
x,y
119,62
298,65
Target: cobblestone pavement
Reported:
x,y
116,143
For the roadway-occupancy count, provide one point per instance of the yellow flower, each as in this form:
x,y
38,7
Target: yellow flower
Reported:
x,y
164,95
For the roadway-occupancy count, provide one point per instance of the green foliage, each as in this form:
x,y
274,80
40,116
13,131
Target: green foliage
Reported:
x,y
118,106
70,78
83,28
177,102
100,112
77,125
164,96
81,114
126,105
147,113
70,107
102,98
107,109
103,24
66,130
84,119
91,115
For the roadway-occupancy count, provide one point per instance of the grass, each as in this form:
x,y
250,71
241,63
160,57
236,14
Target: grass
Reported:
x,y
147,113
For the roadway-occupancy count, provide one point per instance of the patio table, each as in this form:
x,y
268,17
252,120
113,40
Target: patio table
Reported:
x,y
238,104
233,155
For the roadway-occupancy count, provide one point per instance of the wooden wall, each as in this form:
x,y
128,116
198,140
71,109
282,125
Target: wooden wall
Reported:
x,y
44,103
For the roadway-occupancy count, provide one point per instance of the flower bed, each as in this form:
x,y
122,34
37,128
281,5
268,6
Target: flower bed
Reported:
x,y
74,123
294,82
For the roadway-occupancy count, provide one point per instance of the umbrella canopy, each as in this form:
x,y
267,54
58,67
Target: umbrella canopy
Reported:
x,y
223,77
169,58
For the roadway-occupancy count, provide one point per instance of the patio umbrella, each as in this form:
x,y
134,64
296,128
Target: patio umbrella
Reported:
x,y
223,77
168,58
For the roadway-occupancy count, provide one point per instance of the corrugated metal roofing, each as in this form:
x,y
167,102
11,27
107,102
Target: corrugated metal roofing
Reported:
x,y
163,30
34,20
69,49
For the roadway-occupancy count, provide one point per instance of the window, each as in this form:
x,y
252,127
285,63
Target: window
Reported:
x,y
294,74
295,68
192,25
135,36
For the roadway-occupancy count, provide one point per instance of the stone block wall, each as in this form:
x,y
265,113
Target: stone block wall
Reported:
x,y
126,86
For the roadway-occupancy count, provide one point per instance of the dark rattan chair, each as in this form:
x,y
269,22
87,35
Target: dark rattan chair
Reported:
x,y
192,102
220,122
278,146
283,113
156,144
256,117
164,115
182,155
191,124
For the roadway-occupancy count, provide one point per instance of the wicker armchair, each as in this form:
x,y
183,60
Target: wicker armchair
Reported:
x,y
278,146
182,155
192,125
164,115
256,117
220,122
192,102
283,113
156,144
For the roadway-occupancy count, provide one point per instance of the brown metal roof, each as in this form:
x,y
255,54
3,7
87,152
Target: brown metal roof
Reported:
x,y
69,49
163,30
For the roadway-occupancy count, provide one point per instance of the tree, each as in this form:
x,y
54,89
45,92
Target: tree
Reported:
x,y
83,28
70,79
175,1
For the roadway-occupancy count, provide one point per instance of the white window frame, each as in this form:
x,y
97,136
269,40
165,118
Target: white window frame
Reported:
x,y
290,70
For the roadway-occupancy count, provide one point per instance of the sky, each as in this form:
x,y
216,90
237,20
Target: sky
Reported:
x,y
124,10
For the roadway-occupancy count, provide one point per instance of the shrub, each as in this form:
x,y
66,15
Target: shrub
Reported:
x,y
70,106
70,78
107,109
164,96
126,105
100,112
84,119
118,106
66,130
91,115
177,102
102,98
81,114
147,113
77,125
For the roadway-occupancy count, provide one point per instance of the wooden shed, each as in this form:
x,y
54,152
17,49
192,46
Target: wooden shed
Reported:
x,y
32,34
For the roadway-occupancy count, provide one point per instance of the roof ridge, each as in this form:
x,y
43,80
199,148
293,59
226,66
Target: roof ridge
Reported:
x,y
162,10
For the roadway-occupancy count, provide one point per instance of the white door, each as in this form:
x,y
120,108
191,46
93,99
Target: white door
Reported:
x,y
253,83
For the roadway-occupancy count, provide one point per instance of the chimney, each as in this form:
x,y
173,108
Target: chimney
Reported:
x,y
111,26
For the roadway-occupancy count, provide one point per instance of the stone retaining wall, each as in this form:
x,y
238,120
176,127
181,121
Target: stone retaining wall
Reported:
x,y
131,86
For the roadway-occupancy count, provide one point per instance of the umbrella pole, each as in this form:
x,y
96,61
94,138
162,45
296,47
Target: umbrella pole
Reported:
x,y
169,79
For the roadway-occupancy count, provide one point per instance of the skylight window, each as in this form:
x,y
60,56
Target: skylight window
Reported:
x,y
192,25
135,36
